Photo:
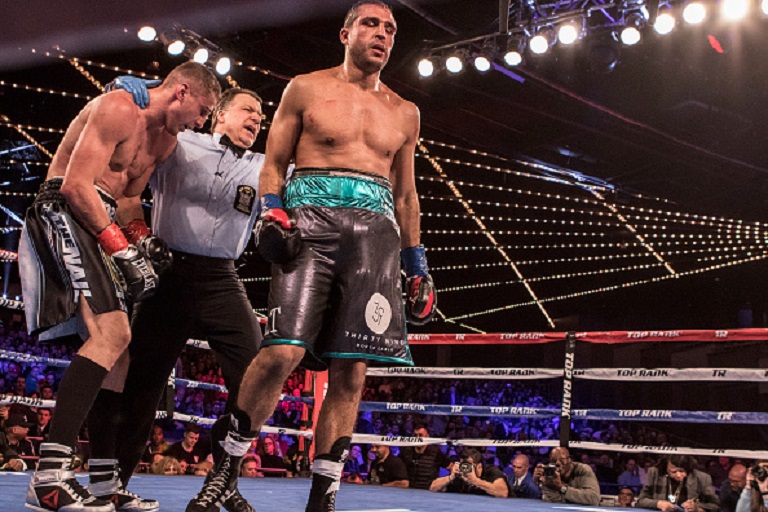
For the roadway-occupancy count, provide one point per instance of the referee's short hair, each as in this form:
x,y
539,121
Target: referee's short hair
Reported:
x,y
226,99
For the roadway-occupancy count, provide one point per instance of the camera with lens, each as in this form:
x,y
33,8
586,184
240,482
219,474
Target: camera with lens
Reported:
x,y
466,467
759,472
550,470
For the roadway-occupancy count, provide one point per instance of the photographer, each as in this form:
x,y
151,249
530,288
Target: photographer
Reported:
x,y
565,481
754,497
471,476
675,486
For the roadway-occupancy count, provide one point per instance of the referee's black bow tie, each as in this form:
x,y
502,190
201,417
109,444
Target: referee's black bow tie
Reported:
x,y
237,150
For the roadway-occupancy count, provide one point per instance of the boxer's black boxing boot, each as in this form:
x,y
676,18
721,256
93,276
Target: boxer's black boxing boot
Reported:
x,y
222,480
326,477
234,501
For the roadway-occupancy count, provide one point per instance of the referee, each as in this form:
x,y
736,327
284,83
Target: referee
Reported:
x,y
205,207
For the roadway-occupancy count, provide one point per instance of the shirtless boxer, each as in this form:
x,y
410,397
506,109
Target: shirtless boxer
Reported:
x,y
337,305
79,269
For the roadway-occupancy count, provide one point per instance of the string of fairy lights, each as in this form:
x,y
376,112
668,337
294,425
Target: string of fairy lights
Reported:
x,y
613,239
628,211
496,246
631,228
606,289
565,175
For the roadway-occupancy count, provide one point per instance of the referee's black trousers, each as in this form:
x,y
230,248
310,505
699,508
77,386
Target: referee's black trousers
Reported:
x,y
200,296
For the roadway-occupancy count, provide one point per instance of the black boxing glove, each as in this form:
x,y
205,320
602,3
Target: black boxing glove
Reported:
x,y
139,278
278,239
152,247
421,295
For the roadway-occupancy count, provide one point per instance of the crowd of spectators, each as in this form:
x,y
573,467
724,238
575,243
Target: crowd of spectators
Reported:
x,y
621,475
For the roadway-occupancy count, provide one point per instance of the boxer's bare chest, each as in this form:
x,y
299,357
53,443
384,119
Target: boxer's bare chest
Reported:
x,y
341,116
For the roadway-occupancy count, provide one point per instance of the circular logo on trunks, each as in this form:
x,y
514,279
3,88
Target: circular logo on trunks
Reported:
x,y
378,313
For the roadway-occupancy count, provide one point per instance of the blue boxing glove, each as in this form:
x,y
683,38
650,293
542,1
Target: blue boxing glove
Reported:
x,y
421,295
278,239
138,87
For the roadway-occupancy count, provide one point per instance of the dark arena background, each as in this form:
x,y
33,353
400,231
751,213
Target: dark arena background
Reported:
x,y
603,203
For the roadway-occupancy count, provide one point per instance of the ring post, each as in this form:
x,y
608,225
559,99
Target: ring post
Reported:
x,y
170,394
565,411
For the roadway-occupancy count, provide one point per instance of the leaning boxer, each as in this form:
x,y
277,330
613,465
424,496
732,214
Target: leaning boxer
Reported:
x,y
336,303
77,267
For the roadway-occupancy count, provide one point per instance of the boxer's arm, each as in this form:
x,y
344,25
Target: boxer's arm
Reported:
x,y
129,209
283,136
407,210
111,122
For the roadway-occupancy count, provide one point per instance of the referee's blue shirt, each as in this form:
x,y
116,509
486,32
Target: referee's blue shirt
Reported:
x,y
205,197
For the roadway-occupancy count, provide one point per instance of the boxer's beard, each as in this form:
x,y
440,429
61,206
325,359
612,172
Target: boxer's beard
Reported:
x,y
362,62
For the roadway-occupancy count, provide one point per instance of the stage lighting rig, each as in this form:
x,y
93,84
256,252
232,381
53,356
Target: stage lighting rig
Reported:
x,y
536,26
179,40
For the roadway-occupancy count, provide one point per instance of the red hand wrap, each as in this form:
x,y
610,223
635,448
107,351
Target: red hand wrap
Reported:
x,y
112,239
278,215
136,230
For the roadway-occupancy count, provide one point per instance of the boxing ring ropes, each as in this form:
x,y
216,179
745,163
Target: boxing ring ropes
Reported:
x,y
568,373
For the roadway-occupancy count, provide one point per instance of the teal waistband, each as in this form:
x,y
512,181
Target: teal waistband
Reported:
x,y
339,191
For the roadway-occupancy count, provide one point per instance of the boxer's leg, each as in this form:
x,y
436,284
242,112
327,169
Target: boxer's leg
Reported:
x,y
54,486
259,392
346,378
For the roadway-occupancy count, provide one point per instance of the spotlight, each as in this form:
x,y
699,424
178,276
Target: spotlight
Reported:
x,y
694,13
631,35
482,64
765,7
427,67
568,34
665,23
455,63
147,34
201,55
176,47
732,10
513,58
514,54
223,65
541,42
485,57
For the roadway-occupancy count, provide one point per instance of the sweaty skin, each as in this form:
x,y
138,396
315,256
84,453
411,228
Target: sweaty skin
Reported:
x,y
345,117
115,145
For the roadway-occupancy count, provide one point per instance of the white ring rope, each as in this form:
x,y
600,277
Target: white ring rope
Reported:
x,y
611,374
266,429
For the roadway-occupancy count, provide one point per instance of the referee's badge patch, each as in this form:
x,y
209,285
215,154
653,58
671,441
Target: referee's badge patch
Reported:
x,y
246,195
378,313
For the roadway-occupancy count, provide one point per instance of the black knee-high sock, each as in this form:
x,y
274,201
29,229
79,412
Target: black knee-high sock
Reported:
x,y
77,391
103,424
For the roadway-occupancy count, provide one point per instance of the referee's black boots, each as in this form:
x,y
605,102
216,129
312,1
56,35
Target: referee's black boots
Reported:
x,y
221,484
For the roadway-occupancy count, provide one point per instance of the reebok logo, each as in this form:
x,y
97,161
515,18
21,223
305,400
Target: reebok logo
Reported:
x,y
51,499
